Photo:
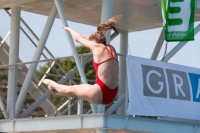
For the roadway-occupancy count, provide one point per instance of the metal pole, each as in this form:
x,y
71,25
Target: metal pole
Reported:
x,y
122,68
37,56
123,50
71,43
13,58
70,100
106,13
179,46
158,45
45,60
80,102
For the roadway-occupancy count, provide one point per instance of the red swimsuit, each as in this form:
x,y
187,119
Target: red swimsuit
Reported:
x,y
108,94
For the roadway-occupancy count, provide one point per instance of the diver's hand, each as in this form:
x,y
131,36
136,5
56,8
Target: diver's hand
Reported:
x,y
66,28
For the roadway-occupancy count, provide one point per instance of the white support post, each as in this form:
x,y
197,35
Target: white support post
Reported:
x,y
80,107
80,102
37,55
106,13
122,68
70,100
122,59
179,46
158,46
13,58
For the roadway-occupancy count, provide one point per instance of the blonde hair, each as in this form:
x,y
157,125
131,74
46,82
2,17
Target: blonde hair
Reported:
x,y
100,35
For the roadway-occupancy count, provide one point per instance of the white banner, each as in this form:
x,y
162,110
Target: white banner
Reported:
x,y
163,89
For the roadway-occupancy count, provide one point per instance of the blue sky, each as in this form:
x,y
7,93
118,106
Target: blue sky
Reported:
x,y
141,43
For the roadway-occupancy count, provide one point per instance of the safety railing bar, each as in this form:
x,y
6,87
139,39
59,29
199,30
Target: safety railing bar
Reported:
x,y
88,111
49,74
44,76
45,60
62,106
4,39
3,44
72,105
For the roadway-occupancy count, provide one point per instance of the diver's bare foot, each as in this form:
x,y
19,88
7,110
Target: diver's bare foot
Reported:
x,y
50,84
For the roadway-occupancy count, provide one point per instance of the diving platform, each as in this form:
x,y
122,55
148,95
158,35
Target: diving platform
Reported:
x,y
94,123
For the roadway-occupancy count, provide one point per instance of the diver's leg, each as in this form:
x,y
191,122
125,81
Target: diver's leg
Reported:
x,y
91,93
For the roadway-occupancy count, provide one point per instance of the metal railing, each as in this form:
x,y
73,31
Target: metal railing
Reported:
x,y
66,107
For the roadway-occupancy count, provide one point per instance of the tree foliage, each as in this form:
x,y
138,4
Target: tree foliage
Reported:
x,y
67,64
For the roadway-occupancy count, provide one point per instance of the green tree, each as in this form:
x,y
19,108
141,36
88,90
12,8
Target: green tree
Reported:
x,y
67,65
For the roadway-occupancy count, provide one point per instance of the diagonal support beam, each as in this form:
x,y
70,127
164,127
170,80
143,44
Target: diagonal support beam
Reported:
x,y
37,56
179,46
35,104
71,43
158,46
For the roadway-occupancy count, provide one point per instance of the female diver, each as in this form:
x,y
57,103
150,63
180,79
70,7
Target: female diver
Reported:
x,y
105,62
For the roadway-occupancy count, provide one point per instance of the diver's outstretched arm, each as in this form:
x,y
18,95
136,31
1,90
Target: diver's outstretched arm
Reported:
x,y
80,38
